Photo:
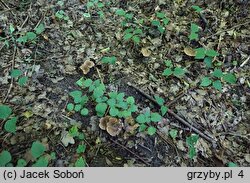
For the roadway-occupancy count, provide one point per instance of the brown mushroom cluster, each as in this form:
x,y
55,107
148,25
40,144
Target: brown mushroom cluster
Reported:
x,y
112,125
86,66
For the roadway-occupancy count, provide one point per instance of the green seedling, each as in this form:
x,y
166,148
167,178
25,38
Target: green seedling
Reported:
x,y
10,124
133,34
194,32
216,78
161,22
127,16
109,60
191,142
5,158
61,15
197,8
160,101
171,70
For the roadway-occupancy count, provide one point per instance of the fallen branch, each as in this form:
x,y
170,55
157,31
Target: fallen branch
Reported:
x,y
12,79
131,152
186,123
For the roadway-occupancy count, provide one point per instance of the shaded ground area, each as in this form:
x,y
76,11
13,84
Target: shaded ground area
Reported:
x,y
77,31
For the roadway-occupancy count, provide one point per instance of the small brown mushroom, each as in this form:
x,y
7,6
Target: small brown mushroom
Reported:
x,y
103,122
114,126
85,67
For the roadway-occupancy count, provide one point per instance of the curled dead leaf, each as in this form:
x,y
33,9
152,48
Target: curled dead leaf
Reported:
x,y
189,51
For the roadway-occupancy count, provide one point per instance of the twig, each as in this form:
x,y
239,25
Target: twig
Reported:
x,y
209,139
236,26
12,79
245,62
130,152
6,6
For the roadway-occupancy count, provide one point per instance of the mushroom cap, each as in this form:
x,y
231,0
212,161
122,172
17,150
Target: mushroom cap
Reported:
x,y
103,122
89,63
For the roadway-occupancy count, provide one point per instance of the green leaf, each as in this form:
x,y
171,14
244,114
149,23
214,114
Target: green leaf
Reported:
x,y
173,133
81,148
155,117
231,164
53,155
212,53
120,12
168,63
136,39
129,15
109,60
80,82
193,36
200,53
142,127
141,119
76,95
151,130
159,100
22,80
167,72
31,36
197,9
87,83
137,31
73,131
217,85
37,149
5,111
86,15
111,102
160,15
22,39
81,136
127,36
206,81
130,100
230,78
217,73
194,28
161,29
15,73
84,112
70,107
113,95
101,109
90,4
77,108
120,97
21,163
80,162
40,28
12,29
5,158
179,72
10,125
98,92
156,23
164,110
113,111
208,62
41,162
165,21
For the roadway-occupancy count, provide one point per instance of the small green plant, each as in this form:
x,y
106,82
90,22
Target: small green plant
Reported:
x,y
133,34
127,16
194,32
61,15
171,70
160,101
109,60
5,158
10,124
97,6
79,102
173,133
147,118
216,78
191,142
18,74
161,22
197,8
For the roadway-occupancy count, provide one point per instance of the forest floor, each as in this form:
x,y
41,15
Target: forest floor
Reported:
x,y
124,83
